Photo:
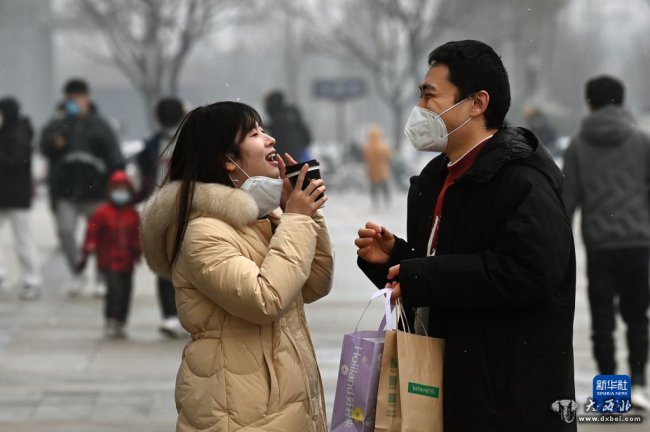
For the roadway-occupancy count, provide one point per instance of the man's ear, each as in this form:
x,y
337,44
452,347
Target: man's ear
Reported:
x,y
481,102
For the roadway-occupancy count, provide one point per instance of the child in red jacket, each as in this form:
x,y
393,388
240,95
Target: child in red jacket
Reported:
x,y
113,234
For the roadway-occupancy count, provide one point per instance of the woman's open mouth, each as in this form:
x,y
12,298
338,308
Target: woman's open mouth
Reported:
x,y
271,158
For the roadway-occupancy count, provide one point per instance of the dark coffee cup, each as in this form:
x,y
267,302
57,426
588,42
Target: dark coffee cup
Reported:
x,y
313,173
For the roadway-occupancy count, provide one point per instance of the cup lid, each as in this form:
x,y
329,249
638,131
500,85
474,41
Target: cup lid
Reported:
x,y
296,167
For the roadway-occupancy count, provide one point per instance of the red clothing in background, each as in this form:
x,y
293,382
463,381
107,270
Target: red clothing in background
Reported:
x,y
114,235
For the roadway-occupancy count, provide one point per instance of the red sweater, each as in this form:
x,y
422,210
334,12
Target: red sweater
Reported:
x,y
113,233
456,171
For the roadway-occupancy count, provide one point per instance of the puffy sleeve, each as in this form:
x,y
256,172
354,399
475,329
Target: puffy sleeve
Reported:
x,y
212,261
319,282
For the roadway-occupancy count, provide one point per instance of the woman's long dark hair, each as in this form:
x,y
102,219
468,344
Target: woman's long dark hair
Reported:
x,y
200,145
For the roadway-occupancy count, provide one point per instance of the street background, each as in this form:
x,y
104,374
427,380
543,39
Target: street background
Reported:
x,y
59,374
346,66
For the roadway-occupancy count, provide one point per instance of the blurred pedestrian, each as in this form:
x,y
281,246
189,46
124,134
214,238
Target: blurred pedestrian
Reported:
x,y
539,124
607,176
82,151
16,191
242,272
489,262
153,163
53,158
113,234
377,156
287,126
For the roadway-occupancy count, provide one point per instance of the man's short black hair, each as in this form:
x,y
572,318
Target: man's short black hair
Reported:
x,y
474,66
604,90
169,112
76,86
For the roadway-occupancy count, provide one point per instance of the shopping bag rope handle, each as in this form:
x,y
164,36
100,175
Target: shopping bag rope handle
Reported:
x,y
387,320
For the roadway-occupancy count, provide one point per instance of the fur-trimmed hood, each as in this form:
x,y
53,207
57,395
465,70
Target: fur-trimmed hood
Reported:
x,y
159,217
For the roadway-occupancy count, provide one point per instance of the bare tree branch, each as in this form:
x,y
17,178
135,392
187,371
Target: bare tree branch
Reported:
x,y
150,40
388,38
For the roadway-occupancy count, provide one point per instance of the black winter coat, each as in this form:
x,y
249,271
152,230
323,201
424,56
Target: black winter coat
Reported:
x,y
15,169
501,287
80,169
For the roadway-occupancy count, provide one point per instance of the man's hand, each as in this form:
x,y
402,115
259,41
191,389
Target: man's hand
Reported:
x,y
393,273
375,243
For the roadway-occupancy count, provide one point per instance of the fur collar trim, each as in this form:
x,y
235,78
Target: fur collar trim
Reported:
x,y
231,205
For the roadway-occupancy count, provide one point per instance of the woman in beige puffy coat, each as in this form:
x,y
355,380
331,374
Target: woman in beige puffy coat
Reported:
x,y
241,275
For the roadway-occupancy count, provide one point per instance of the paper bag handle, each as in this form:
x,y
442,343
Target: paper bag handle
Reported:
x,y
387,320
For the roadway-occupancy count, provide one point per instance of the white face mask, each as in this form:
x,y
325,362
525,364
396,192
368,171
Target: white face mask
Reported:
x,y
266,191
427,130
120,197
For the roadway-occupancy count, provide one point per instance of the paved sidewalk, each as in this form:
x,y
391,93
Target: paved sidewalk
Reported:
x,y
58,373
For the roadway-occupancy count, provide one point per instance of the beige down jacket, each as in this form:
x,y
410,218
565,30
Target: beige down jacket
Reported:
x,y
240,288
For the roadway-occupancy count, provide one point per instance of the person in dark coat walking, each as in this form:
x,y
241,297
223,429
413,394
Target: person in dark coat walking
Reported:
x,y
153,163
82,151
287,126
16,191
488,263
607,176
113,234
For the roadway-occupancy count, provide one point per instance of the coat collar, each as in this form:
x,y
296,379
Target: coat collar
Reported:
x,y
159,217
509,145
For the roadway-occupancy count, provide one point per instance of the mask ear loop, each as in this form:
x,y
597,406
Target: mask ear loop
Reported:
x,y
462,124
465,122
240,168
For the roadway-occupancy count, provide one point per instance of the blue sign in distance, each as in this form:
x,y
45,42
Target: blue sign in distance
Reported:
x,y
340,89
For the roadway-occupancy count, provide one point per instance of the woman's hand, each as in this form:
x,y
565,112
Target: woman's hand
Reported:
x,y
304,201
286,186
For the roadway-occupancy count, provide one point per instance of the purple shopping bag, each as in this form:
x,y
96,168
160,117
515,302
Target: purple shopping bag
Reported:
x,y
355,400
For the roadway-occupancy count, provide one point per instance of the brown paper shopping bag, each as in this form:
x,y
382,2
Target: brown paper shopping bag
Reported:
x,y
388,416
410,393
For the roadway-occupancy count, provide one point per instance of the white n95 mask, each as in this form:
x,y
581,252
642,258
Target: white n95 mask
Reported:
x,y
427,131
266,191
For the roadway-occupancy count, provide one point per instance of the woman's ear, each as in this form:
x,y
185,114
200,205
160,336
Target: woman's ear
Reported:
x,y
481,102
230,164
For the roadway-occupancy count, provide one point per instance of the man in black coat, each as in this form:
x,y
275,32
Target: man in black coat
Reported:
x,y
16,190
286,125
489,261
83,152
